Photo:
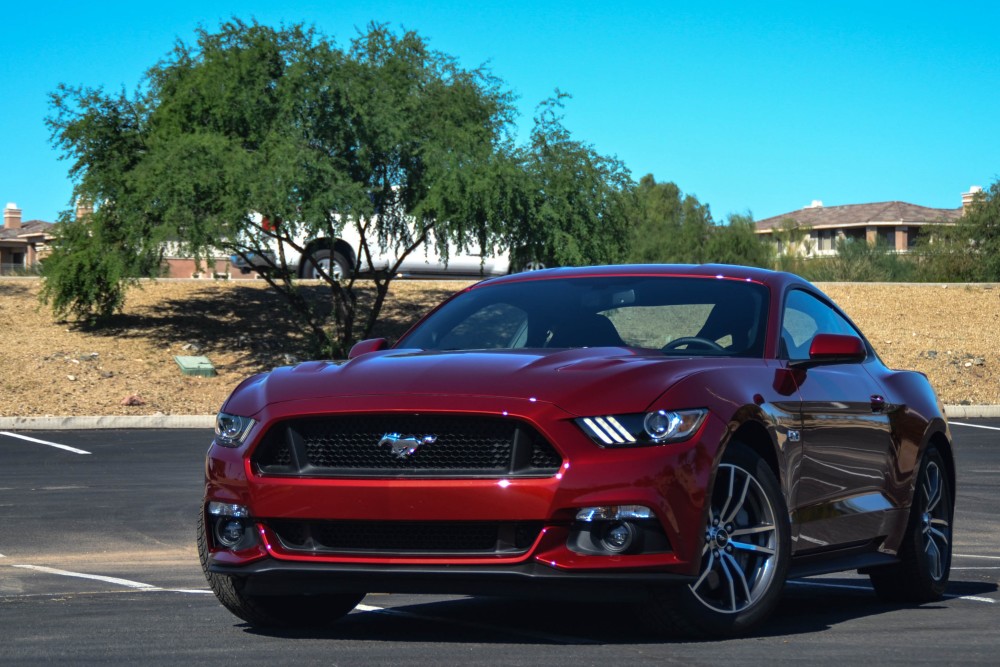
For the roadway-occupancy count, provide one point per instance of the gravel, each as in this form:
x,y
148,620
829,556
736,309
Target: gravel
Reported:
x,y
53,367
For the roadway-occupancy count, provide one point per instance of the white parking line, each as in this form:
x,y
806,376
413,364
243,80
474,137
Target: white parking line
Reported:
x,y
45,442
974,598
128,583
972,556
96,577
989,428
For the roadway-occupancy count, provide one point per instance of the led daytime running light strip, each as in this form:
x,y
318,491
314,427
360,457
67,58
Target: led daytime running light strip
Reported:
x,y
608,430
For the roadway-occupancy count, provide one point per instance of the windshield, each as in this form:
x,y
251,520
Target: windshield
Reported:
x,y
678,316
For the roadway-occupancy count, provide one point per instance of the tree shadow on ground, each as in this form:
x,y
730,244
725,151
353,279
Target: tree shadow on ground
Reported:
x,y
18,287
255,320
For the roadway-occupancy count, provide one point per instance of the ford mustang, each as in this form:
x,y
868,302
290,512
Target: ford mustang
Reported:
x,y
684,438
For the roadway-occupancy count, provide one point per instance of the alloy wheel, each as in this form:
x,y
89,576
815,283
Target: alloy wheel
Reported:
x,y
935,528
739,559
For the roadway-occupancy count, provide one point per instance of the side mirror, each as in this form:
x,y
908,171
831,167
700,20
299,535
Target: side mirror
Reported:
x,y
366,346
834,349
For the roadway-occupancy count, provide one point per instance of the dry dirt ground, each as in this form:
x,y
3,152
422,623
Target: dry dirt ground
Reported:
x,y
51,367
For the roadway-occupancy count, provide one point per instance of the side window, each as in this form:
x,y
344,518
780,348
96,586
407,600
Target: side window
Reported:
x,y
804,317
495,326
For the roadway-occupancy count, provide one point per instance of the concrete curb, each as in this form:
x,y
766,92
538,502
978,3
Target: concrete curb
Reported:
x,y
108,422
208,421
972,411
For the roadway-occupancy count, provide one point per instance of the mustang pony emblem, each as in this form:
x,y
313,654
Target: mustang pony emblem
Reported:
x,y
403,447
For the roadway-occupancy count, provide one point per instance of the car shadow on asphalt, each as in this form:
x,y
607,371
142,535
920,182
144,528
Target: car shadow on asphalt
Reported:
x,y
803,609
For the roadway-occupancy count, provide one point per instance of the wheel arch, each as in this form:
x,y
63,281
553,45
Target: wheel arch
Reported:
x,y
748,428
324,243
939,439
751,431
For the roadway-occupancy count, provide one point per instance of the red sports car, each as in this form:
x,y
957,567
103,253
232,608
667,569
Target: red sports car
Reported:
x,y
685,437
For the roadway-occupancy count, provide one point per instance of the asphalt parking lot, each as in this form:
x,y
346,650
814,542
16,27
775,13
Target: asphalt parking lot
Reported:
x,y
98,566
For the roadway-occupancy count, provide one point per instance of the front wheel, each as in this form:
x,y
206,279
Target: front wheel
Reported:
x,y
273,611
921,575
744,560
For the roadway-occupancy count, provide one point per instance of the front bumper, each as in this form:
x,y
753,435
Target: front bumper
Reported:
x,y
669,479
265,260
270,577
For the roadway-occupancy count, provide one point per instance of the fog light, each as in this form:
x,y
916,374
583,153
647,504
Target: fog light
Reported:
x,y
618,536
229,532
231,526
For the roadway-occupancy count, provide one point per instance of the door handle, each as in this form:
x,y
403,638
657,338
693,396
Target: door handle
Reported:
x,y
878,403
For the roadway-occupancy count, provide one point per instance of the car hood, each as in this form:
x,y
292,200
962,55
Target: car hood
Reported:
x,y
584,381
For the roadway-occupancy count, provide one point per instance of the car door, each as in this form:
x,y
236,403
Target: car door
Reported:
x,y
840,495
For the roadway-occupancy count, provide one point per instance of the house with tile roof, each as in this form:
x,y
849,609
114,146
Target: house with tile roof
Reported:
x,y
22,244
898,224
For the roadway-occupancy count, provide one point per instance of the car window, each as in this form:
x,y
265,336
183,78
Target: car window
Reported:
x,y
803,318
678,316
495,326
655,326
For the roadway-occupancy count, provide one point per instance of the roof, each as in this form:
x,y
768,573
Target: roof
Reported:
x,y
29,228
890,212
718,271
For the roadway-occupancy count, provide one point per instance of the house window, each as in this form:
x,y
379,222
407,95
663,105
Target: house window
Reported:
x,y
17,259
889,237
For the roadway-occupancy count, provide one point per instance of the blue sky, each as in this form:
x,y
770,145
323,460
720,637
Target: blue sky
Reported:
x,y
751,107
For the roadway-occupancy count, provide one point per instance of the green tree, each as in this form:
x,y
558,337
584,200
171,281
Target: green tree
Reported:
x,y
571,206
737,242
668,226
968,251
982,220
255,138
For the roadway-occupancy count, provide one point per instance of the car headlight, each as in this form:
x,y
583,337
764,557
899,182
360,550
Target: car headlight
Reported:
x,y
642,429
232,430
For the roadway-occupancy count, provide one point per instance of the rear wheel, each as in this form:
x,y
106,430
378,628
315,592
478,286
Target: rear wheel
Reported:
x,y
744,560
276,611
332,262
921,575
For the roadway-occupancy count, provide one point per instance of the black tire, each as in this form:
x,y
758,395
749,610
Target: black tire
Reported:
x,y
532,265
744,561
524,259
921,575
273,611
334,263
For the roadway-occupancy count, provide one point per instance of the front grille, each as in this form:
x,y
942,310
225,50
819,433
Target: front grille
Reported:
x,y
449,446
407,537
